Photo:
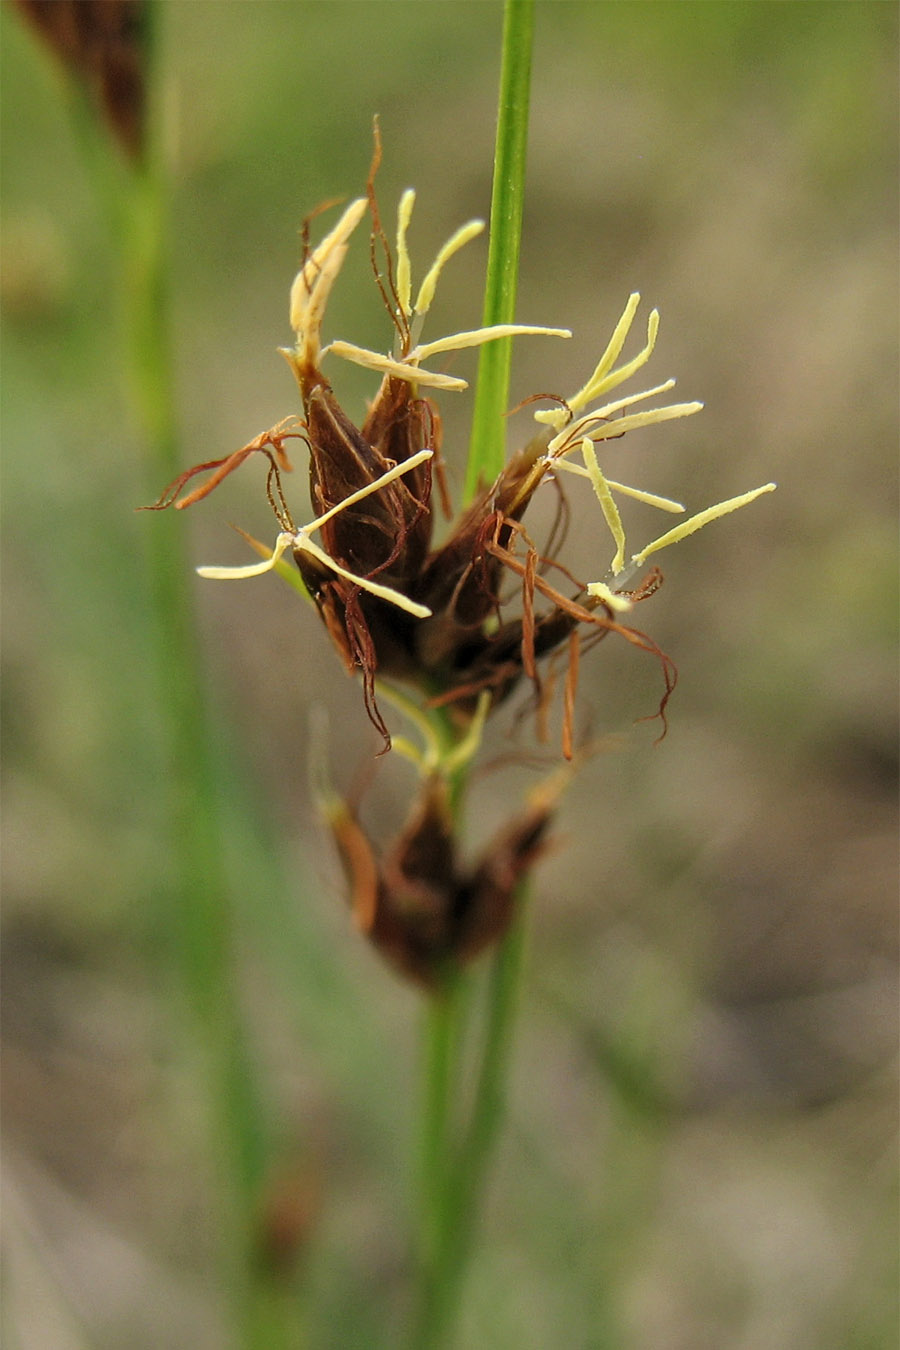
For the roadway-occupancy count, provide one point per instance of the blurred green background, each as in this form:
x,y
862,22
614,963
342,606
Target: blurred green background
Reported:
x,y
700,1150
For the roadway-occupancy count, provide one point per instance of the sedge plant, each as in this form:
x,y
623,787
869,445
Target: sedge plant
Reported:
x,y
427,626
442,630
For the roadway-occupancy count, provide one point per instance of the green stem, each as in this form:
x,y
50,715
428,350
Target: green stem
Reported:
x,y
487,445
457,1168
455,1162
441,1056
490,1099
197,910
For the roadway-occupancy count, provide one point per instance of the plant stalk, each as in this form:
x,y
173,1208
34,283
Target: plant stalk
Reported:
x,y
456,1157
195,893
487,450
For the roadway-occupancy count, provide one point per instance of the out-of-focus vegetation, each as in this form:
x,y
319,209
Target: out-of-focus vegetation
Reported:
x,y
700,1151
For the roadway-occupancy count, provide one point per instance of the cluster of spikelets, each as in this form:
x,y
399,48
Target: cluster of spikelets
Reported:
x,y
403,610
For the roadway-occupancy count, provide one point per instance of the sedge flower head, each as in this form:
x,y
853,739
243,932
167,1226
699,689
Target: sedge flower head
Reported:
x,y
459,623
396,605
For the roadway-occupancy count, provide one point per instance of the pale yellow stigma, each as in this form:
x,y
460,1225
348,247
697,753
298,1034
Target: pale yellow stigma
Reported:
x,y
570,437
300,541
405,362
389,365
619,604
603,490
312,284
605,377
636,494
457,240
702,518
408,368
404,270
282,544
607,505
403,282
610,421
604,423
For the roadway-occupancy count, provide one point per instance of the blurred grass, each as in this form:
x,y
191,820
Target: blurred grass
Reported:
x,y
717,935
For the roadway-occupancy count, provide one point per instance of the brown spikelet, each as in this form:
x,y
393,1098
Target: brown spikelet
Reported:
x,y
103,44
442,618
422,909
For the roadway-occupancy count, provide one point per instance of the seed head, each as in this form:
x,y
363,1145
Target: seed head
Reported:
x,y
439,616
459,623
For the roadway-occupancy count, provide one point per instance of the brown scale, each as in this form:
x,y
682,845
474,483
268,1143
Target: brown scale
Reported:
x,y
387,533
103,43
421,907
